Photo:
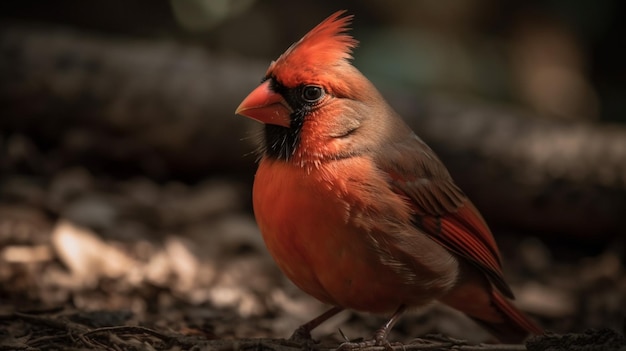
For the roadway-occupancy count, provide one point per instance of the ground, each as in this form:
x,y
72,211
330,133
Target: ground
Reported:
x,y
92,262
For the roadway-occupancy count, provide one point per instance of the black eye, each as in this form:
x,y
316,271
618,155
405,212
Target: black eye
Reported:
x,y
312,93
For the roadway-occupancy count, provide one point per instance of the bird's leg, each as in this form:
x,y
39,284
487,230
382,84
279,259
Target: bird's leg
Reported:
x,y
380,336
303,332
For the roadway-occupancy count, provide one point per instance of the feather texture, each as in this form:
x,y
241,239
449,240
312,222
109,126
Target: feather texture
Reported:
x,y
324,46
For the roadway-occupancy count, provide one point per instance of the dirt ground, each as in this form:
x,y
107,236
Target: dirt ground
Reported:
x,y
99,263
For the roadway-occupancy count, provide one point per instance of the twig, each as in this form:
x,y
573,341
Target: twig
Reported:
x,y
88,337
56,323
414,345
129,330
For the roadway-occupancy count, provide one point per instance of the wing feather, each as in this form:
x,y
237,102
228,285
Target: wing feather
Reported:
x,y
441,209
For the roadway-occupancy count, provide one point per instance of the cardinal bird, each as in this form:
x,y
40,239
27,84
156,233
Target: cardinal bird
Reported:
x,y
355,208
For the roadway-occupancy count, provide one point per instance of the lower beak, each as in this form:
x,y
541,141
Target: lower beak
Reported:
x,y
266,106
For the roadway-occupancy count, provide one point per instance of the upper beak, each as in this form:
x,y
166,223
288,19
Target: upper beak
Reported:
x,y
266,106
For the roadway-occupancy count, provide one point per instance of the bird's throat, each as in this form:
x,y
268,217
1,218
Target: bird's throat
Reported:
x,y
279,142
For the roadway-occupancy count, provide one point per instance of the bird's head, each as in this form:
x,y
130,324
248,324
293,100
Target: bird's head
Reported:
x,y
312,100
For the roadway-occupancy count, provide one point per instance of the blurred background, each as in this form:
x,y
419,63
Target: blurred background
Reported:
x,y
125,176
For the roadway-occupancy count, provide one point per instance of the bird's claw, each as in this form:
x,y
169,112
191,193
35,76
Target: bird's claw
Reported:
x,y
351,346
301,334
379,339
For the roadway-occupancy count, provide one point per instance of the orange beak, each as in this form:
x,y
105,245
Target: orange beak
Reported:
x,y
266,106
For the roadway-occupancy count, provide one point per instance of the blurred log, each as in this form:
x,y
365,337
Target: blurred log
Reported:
x,y
165,109
526,172
156,106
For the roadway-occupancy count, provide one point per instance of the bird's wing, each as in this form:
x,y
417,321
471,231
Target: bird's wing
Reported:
x,y
441,209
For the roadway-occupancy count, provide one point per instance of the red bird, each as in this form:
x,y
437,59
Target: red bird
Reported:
x,y
355,208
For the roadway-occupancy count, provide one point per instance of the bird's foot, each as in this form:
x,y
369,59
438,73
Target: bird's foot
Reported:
x,y
379,339
351,346
301,334
302,337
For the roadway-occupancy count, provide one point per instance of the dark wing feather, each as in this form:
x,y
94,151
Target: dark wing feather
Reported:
x,y
441,209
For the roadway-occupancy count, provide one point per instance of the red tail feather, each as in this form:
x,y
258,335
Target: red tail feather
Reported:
x,y
518,326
